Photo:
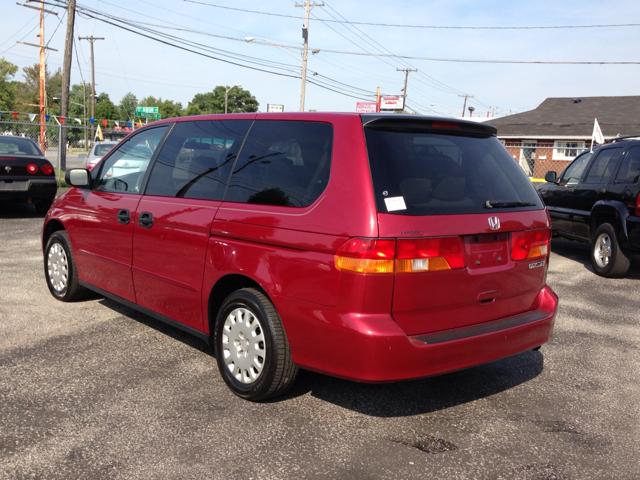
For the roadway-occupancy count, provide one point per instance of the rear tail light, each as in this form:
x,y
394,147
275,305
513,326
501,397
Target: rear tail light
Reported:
x,y
530,244
366,255
638,206
47,169
32,168
429,254
370,255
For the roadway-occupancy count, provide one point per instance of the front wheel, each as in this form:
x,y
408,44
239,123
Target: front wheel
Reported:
x,y
607,257
60,269
252,348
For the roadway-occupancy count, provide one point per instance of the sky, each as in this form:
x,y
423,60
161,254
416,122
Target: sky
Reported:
x,y
127,62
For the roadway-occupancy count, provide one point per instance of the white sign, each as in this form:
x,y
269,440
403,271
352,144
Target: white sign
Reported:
x,y
274,108
366,107
392,103
395,203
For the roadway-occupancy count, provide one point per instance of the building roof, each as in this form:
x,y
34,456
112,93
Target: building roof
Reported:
x,y
573,117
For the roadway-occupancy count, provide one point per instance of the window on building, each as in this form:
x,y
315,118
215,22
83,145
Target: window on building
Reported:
x,y
567,150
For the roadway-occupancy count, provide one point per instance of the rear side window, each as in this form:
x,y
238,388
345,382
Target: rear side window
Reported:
x,y
282,163
630,168
602,168
196,159
425,173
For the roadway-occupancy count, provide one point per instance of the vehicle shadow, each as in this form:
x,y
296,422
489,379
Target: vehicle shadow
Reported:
x,y
397,399
415,397
19,210
580,252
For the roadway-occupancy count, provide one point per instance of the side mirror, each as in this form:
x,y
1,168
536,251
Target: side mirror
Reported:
x,y
82,156
77,177
550,177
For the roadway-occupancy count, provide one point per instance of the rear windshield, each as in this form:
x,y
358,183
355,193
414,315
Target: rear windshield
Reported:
x,y
425,173
18,146
101,150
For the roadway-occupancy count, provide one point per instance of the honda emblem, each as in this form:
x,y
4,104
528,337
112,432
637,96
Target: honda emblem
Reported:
x,y
7,168
494,223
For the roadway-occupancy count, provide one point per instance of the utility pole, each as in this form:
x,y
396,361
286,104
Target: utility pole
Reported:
x,y
305,34
66,80
93,83
465,101
43,72
406,79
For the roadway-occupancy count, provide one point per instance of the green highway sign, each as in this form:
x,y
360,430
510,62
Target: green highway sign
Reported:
x,y
146,110
155,116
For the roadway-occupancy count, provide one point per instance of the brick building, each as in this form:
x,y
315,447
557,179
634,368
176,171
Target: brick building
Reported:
x,y
550,136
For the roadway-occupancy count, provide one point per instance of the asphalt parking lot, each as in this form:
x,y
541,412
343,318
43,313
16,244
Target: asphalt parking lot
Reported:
x,y
96,390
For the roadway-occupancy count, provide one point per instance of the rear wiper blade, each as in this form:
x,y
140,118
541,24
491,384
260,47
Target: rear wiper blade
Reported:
x,y
498,204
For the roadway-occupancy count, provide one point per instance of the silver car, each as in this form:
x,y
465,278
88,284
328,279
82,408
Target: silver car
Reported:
x,y
98,151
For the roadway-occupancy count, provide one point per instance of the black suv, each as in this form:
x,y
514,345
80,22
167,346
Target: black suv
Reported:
x,y
596,200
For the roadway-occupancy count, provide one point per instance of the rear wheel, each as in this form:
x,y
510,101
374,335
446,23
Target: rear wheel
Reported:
x,y
60,269
607,257
252,349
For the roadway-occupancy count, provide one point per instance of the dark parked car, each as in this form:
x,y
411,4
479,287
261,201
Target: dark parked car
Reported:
x,y
370,247
596,200
25,174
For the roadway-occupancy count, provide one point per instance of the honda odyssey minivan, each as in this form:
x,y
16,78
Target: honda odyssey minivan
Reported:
x,y
370,247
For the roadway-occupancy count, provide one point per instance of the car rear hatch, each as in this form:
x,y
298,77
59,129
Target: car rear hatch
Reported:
x,y
471,234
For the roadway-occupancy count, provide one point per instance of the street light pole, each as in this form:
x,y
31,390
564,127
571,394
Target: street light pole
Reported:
x,y
226,95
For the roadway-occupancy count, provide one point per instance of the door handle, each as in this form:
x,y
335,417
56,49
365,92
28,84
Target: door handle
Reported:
x,y
570,189
601,190
124,216
145,220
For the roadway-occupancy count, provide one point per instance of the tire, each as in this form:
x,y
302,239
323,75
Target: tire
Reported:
x,y
247,321
607,257
60,269
42,207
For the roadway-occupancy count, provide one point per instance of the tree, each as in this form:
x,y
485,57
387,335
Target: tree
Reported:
x,y
79,98
166,108
8,87
127,107
29,90
239,100
105,108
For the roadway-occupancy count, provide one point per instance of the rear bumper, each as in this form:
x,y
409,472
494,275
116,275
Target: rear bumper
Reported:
x,y
372,348
31,189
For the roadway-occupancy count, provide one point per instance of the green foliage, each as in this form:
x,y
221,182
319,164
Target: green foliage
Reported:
x,y
166,108
127,107
105,108
80,101
8,87
29,90
239,100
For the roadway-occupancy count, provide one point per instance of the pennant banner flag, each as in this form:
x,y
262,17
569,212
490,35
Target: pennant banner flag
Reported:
x,y
93,121
104,122
78,120
597,135
32,117
47,117
129,124
99,133
117,122
61,120
15,115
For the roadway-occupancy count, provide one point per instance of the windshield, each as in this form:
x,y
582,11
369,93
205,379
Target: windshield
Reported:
x,y
18,146
425,173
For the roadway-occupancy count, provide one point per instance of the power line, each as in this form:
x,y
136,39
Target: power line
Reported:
x,y
444,27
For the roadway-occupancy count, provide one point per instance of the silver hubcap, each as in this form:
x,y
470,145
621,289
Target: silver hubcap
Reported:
x,y
602,250
58,267
243,345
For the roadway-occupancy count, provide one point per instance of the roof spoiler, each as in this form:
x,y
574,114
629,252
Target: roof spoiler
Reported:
x,y
415,122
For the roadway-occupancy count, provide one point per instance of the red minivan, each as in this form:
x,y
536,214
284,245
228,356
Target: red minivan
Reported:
x,y
370,247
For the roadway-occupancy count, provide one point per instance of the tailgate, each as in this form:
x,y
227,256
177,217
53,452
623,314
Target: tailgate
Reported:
x,y
490,284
